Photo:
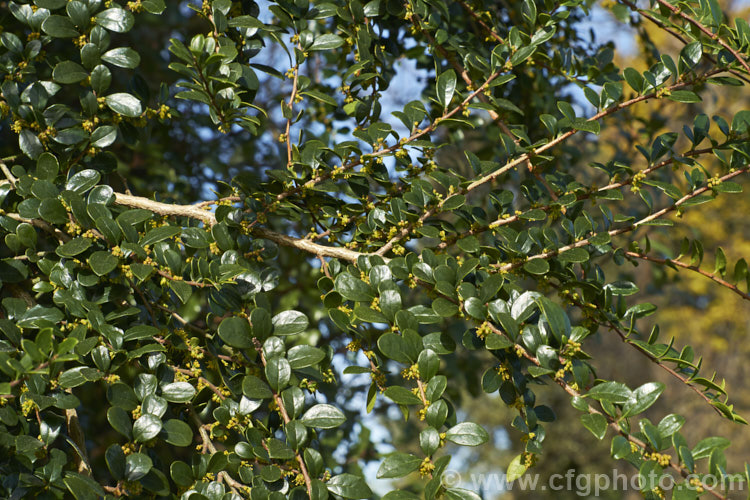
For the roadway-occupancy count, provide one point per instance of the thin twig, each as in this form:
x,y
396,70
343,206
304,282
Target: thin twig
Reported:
x,y
285,417
674,262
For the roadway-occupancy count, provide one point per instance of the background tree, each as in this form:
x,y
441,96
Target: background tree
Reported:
x,y
205,293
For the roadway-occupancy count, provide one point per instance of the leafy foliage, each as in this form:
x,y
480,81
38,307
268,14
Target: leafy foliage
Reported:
x,y
187,348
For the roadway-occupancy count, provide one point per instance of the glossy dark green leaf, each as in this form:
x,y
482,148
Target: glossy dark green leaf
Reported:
x,y
30,144
69,72
115,19
178,392
124,104
137,465
289,323
349,486
177,432
302,356
596,423
467,434
686,96
83,181
402,396
326,42
446,87
352,288
146,427
398,465
74,247
235,331
611,392
59,27
323,416
642,398
123,57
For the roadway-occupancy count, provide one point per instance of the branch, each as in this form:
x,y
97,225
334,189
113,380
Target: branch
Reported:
x,y
285,417
607,323
673,262
526,156
672,32
190,211
8,175
198,213
614,185
610,420
291,113
584,242
399,145
235,486
713,36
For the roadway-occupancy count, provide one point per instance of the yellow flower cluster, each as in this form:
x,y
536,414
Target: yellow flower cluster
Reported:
x,y
411,372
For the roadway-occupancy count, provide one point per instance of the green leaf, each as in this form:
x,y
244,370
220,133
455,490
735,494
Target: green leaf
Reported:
x,y
320,96
177,432
123,57
454,202
444,308
574,255
255,388
349,486
649,475
74,247
596,423
146,427
47,166
59,27
181,473
302,356
30,144
610,392
398,465
78,376
278,372
120,421
137,465
158,234
67,72
643,397
235,331
536,266
670,424
706,446
461,494
323,416
289,323
402,395
556,318
178,392
586,125
467,434
83,487
83,181
103,136
620,447
326,42
124,104
686,96
352,288
154,6
634,79
446,87
115,19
